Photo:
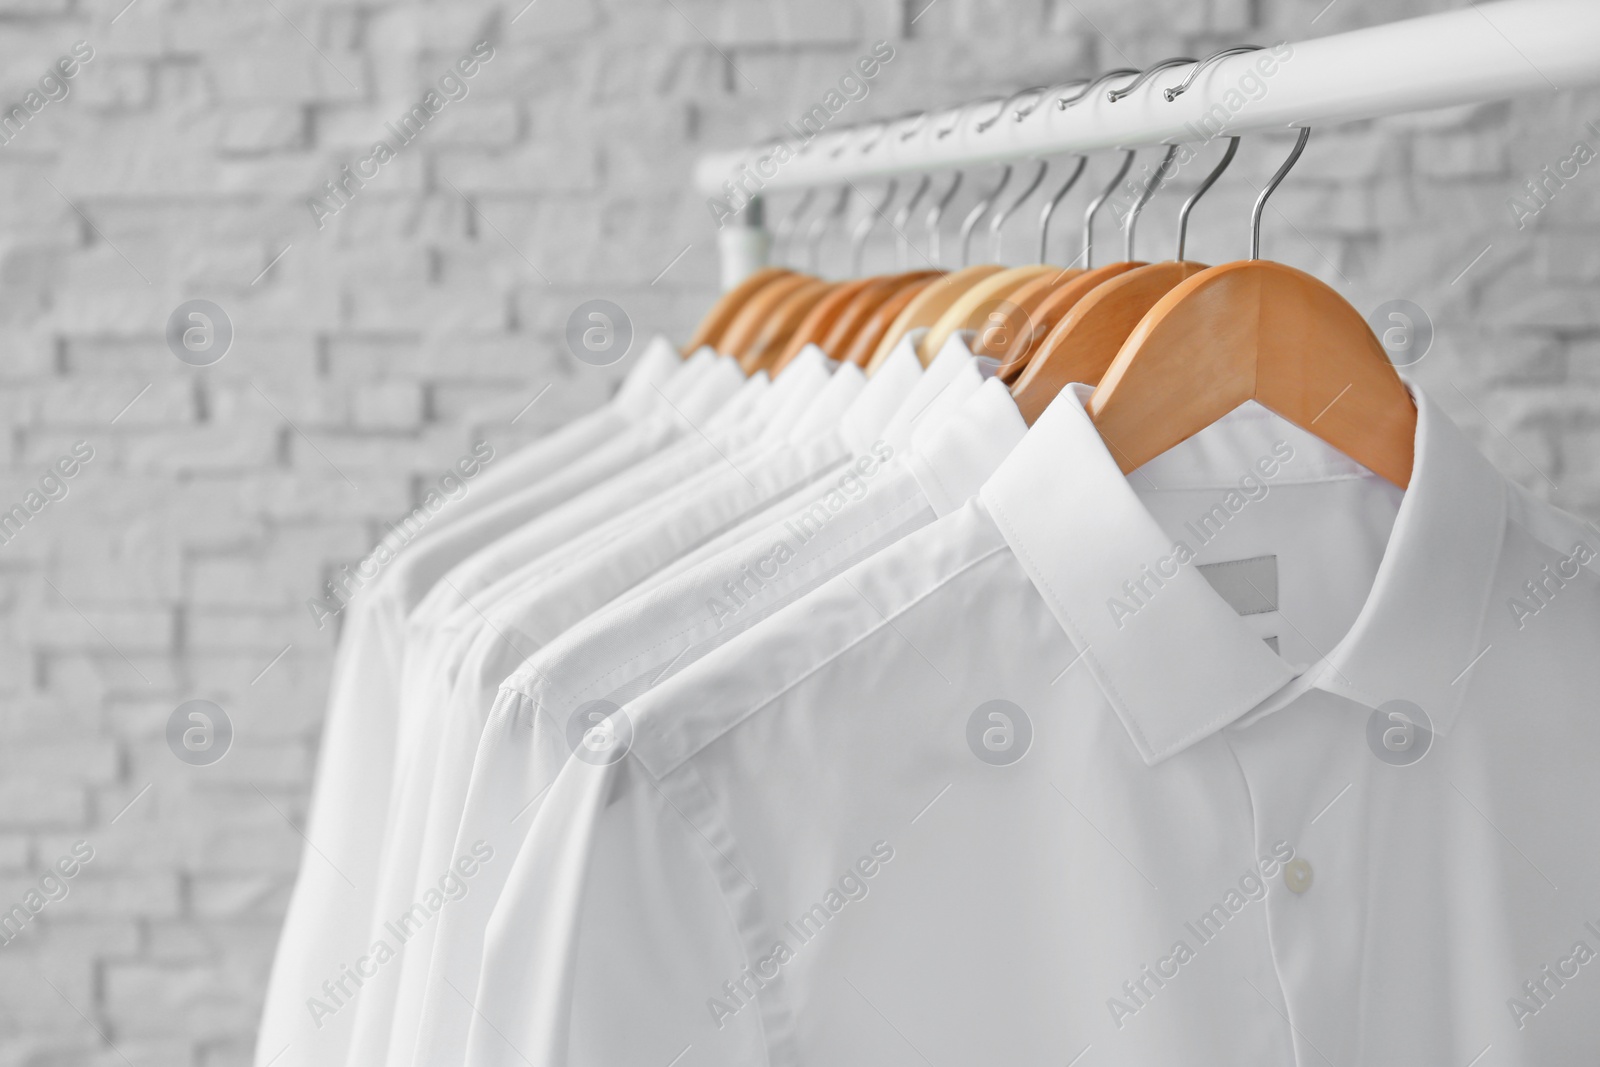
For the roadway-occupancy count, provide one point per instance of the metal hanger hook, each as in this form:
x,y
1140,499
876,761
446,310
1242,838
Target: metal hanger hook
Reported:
x,y
821,224
1097,203
902,216
1023,112
1150,72
921,119
786,225
983,126
891,126
858,239
846,136
1272,187
936,213
1050,205
961,115
1176,91
1205,187
999,220
979,210
1150,187
1064,102
881,127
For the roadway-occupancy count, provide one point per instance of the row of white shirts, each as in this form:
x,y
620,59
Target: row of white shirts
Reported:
x,y
826,720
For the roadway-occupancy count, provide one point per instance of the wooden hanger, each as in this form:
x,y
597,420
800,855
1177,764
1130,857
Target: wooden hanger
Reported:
x,y
747,322
1088,337
1025,322
926,307
973,309
934,300
1024,325
1054,305
1047,306
870,336
1256,330
781,324
819,321
715,322
856,314
854,297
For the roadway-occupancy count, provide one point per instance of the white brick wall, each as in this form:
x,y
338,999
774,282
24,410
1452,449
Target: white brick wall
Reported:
x,y
375,350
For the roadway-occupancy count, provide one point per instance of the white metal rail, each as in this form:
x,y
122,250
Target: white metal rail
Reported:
x,y
1488,52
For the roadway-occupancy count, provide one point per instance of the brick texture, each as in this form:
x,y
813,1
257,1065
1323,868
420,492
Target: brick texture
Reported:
x,y
369,352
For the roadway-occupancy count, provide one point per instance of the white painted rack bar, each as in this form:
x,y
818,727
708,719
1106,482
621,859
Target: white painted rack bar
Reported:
x,y
1488,52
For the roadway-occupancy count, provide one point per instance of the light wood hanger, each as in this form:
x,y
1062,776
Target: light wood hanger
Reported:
x,y
819,321
869,338
1088,337
1039,306
1026,325
747,322
716,321
933,300
973,310
1023,327
926,307
1256,330
856,314
781,324
1034,382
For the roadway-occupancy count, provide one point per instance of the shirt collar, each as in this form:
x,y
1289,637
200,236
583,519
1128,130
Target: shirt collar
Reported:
x,y
952,360
677,385
1188,665
741,403
952,459
1421,628
825,412
963,383
716,385
655,366
885,391
792,391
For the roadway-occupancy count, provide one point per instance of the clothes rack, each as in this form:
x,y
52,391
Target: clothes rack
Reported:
x,y
1488,52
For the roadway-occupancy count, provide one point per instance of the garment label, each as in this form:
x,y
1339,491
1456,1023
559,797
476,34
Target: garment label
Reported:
x,y
1250,586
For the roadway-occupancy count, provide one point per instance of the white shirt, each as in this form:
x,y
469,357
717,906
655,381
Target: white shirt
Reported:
x,y
484,641
594,547
634,643
1201,851
333,892
658,370
663,446
427,670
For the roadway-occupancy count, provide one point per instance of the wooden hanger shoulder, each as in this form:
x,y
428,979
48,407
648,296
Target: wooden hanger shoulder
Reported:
x,y
870,337
781,324
971,309
924,310
860,310
749,319
1084,341
1040,378
715,322
1263,331
814,328
1026,332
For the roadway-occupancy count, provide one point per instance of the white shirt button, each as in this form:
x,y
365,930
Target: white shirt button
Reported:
x,y
1297,875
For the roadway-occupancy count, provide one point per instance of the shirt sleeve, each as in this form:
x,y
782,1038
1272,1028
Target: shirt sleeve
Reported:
x,y
614,939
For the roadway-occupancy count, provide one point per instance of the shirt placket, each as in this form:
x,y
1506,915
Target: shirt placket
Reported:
x,y
1309,788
